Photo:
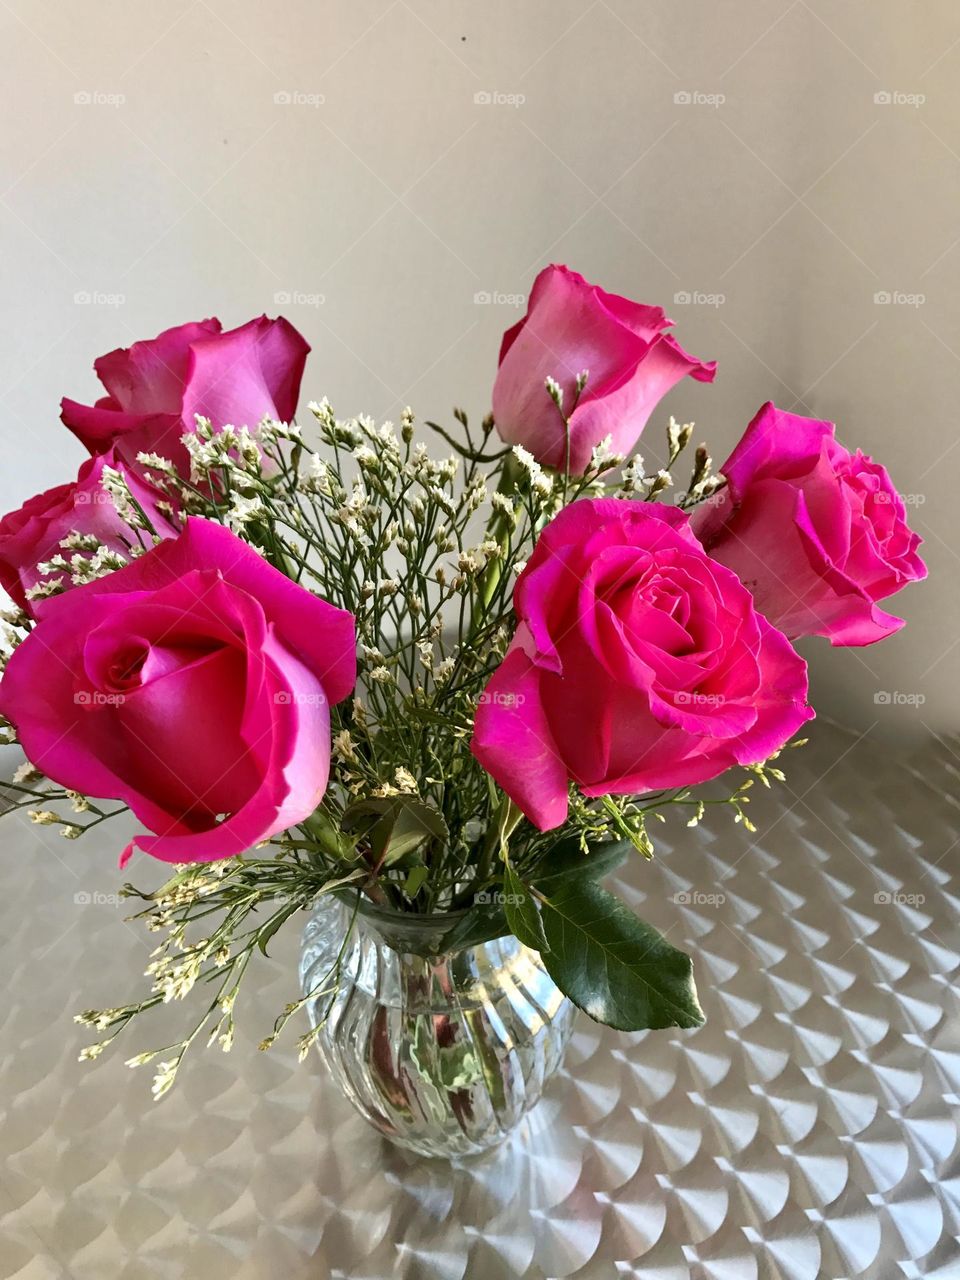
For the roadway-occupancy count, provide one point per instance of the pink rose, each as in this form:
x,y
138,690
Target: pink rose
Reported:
x,y
156,387
36,532
816,533
638,664
571,326
194,685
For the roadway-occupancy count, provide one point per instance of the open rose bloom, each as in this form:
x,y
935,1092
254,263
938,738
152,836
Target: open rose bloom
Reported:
x,y
316,661
818,534
638,664
195,685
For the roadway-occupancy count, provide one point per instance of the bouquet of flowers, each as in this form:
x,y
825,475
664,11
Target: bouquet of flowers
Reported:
x,y
325,662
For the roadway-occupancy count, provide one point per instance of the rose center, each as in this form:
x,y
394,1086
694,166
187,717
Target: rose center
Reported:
x,y
123,670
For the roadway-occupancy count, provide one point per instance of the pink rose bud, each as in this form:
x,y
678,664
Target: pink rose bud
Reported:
x,y
156,388
194,685
638,664
36,532
573,327
816,533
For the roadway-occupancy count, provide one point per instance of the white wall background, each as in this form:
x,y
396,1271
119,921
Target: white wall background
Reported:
x,y
176,186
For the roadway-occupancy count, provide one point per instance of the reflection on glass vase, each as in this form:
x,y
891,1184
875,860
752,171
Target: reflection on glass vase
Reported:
x,y
444,1053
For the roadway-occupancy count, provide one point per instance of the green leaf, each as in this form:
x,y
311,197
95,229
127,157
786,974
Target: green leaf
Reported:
x,y
616,968
566,860
415,878
273,925
324,831
394,825
521,911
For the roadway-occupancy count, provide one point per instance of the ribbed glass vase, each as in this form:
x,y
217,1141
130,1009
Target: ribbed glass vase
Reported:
x,y
444,1052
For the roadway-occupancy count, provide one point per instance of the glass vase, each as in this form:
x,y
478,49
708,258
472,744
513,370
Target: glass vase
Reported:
x,y
442,1048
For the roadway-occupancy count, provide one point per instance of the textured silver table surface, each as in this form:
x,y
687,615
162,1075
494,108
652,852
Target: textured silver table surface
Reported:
x,y
808,1130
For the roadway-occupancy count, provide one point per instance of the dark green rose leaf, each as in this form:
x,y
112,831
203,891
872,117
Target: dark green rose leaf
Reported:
x,y
567,860
616,968
521,911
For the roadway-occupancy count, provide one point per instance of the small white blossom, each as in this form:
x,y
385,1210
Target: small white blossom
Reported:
x,y
604,457
469,562
76,541
366,457
678,435
445,669
57,564
156,462
52,587
632,476
163,1080
243,510
139,1059
42,817
540,482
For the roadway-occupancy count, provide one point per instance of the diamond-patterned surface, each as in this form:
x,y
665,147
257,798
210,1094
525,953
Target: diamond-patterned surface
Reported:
x,y
807,1132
